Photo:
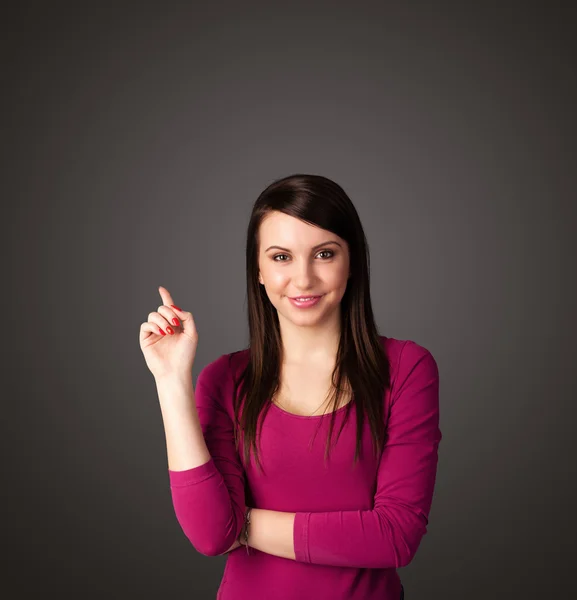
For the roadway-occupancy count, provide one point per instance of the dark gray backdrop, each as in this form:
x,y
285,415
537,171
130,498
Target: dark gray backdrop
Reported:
x,y
135,140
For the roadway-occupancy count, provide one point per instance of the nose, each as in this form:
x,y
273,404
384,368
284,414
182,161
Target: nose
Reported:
x,y
304,275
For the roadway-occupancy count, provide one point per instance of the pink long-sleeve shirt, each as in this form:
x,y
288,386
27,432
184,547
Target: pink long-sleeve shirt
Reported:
x,y
353,527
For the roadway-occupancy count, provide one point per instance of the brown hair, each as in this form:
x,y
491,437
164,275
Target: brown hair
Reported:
x,y
361,362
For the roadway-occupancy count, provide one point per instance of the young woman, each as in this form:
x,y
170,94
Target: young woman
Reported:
x,y
301,515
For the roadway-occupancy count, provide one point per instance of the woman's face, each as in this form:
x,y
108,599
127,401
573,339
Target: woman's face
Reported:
x,y
304,260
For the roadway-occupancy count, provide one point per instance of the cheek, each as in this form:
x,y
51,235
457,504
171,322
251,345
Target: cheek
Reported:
x,y
338,276
275,278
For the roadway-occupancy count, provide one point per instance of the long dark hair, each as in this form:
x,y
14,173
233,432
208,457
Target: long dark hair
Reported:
x,y
361,362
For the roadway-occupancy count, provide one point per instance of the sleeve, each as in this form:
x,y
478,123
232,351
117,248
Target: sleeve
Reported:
x,y
209,500
389,535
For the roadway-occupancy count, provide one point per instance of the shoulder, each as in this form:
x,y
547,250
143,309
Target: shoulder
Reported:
x,y
215,382
215,370
219,374
401,349
409,360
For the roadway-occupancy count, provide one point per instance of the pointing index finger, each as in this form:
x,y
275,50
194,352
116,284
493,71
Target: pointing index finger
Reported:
x,y
165,295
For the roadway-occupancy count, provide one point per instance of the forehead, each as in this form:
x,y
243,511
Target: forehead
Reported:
x,y
280,228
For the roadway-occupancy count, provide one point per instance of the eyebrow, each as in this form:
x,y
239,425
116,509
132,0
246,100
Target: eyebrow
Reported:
x,y
314,247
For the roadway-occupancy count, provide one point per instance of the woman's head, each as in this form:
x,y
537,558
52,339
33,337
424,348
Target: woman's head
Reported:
x,y
299,260
304,239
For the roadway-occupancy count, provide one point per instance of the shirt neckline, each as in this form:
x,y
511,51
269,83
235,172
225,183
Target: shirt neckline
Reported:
x,y
290,414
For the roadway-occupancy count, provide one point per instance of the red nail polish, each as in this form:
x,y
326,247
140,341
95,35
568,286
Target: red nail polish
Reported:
x,y
161,331
174,306
169,329
176,321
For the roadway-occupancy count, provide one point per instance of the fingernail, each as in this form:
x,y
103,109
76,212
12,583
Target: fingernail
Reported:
x,y
162,331
173,306
176,321
169,329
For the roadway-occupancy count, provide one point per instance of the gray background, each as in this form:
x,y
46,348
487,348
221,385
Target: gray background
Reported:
x,y
135,140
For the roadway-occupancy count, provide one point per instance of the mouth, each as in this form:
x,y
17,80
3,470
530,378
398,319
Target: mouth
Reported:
x,y
305,301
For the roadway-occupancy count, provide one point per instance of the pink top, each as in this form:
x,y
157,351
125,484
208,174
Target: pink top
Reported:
x,y
353,527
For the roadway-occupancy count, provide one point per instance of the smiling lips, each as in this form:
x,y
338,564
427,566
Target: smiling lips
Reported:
x,y
305,301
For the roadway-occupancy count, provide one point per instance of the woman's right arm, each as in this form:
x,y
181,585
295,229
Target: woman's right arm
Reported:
x,y
207,479
185,445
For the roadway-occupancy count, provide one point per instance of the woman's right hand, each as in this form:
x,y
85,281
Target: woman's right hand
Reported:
x,y
168,354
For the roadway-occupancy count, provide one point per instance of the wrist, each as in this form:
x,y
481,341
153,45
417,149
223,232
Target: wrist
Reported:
x,y
243,537
174,380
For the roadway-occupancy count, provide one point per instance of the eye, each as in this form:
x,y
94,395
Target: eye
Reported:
x,y
331,254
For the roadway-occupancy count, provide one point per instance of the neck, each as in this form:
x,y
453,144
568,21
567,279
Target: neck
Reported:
x,y
306,345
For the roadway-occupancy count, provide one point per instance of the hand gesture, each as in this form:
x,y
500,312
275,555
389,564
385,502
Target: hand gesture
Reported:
x,y
169,349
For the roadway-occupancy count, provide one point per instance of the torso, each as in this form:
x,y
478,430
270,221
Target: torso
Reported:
x,y
304,390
